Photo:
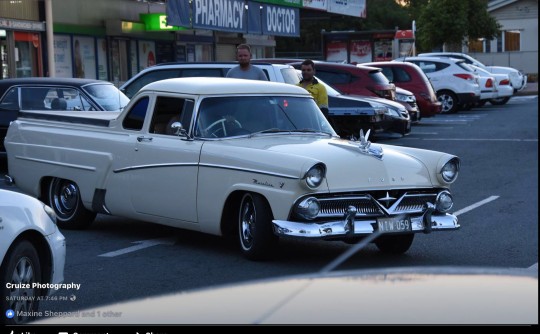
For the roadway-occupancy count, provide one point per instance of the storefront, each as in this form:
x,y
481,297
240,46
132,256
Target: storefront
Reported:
x,y
21,51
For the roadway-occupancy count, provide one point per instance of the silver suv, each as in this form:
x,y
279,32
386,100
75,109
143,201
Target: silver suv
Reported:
x,y
274,72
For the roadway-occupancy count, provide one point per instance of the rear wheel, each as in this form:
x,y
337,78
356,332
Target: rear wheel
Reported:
x,y
449,101
21,268
257,240
499,101
65,199
394,244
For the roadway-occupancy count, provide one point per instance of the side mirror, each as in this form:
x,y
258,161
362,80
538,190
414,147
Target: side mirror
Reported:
x,y
178,129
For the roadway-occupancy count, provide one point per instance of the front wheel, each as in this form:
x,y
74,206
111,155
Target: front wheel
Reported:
x,y
22,269
257,240
65,199
394,244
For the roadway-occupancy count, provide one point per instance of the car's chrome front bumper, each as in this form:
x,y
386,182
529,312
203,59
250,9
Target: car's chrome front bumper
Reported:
x,y
349,227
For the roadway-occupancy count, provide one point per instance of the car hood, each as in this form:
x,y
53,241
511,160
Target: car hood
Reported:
x,y
428,295
292,155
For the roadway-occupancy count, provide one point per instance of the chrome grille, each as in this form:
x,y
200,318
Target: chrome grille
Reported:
x,y
375,204
336,206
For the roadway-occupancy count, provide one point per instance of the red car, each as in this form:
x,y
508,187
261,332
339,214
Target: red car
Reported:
x,y
410,77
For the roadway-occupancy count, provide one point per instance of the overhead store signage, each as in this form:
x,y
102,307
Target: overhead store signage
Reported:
x,y
235,16
224,15
286,3
281,21
316,4
156,22
348,7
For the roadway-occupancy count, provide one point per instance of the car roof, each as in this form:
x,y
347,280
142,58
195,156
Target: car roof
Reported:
x,y
221,86
340,66
449,60
6,84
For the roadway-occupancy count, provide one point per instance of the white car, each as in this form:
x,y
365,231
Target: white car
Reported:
x,y
248,158
504,89
517,78
456,85
33,253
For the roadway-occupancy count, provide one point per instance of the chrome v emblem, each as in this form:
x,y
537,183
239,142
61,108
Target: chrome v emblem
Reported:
x,y
366,148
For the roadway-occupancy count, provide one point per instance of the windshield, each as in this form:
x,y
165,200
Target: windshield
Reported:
x,y
239,115
107,96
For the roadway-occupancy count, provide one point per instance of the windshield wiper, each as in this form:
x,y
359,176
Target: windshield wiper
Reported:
x,y
311,131
273,130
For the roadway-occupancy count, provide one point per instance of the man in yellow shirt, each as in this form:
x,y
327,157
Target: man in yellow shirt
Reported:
x,y
314,87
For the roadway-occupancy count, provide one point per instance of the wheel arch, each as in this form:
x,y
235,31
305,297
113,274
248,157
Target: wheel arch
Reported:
x,y
43,251
231,209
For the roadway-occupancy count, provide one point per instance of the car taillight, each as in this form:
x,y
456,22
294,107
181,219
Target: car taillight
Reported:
x,y
504,82
465,76
489,83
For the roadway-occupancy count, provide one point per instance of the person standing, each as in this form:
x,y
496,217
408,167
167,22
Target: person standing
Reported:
x,y
244,69
314,87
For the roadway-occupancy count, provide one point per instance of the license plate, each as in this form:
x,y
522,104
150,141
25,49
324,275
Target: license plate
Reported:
x,y
394,224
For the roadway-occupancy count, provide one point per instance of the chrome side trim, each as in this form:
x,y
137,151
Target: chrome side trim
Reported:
x,y
125,169
57,163
251,171
364,227
192,164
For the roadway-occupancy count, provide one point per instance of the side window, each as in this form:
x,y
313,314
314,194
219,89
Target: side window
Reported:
x,y
167,110
135,118
400,75
67,99
10,100
333,77
33,98
147,78
388,73
202,72
441,66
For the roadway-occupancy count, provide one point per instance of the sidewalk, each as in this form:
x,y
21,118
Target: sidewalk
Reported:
x,y
530,89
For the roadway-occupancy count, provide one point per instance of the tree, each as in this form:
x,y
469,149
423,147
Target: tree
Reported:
x,y
451,22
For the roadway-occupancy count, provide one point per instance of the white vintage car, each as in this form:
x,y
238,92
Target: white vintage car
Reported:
x,y
229,156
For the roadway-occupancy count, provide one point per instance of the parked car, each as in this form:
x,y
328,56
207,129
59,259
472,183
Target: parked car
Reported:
x,y
390,115
253,159
348,115
365,81
518,79
504,90
32,251
410,77
456,85
362,84
55,94
274,72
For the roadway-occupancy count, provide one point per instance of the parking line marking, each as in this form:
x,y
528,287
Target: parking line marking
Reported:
x,y
141,245
475,205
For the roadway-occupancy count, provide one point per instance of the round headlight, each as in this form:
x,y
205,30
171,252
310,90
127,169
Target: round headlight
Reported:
x,y
315,175
308,208
444,201
450,170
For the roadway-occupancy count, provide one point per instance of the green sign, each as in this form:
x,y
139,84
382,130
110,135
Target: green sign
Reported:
x,y
157,22
286,3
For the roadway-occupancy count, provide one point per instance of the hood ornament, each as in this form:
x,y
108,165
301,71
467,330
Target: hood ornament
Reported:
x,y
366,147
